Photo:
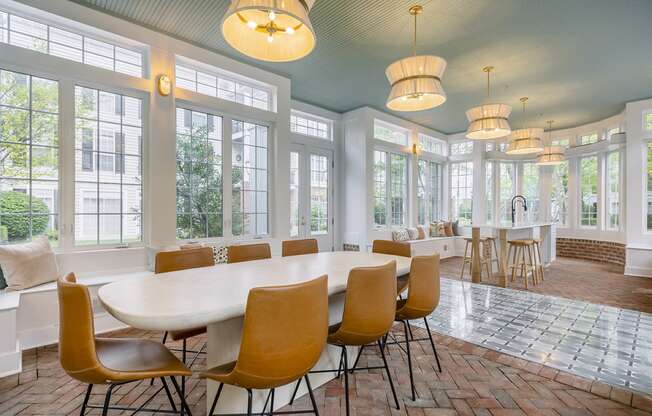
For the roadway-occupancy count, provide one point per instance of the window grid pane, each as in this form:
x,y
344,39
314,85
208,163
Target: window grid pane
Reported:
x,y
431,145
559,197
40,37
294,194
318,194
391,134
589,192
489,190
309,126
531,190
108,168
613,191
29,157
435,191
422,205
462,191
398,188
507,190
380,188
250,214
589,139
222,87
461,148
199,175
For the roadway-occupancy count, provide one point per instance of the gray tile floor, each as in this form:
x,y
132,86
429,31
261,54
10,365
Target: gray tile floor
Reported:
x,y
597,342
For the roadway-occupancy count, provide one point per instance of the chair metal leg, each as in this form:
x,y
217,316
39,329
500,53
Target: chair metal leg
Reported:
x,y
249,402
294,393
346,380
107,400
389,375
217,396
432,343
355,364
165,337
167,392
312,396
183,379
409,357
85,403
339,368
409,329
184,405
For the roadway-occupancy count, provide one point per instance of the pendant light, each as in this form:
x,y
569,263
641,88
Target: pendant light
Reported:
x,y
416,80
270,30
552,155
525,141
488,121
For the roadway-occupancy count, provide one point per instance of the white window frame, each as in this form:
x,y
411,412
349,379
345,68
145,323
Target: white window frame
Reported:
x,y
599,190
442,144
428,188
607,225
297,114
466,145
452,209
396,131
388,182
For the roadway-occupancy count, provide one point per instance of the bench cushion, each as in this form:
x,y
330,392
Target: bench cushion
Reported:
x,y
28,265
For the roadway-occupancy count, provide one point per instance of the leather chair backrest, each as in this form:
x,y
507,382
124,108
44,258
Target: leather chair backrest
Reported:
x,y
395,248
284,333
298,247
370,302
76,331
423,284
171,261
248,252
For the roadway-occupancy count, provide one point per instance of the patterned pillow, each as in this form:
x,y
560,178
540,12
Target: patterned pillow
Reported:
x,y
221,254
448,229
400,235
421,231
437,229
413,233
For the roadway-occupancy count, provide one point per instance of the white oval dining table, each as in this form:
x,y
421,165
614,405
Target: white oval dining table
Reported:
x,y
216,297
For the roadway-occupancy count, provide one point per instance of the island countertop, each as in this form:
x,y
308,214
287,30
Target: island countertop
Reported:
x,y
510,226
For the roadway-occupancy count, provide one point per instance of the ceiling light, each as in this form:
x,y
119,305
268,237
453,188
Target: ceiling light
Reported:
x,y
525,141
552,155
416,81
488,121
270,30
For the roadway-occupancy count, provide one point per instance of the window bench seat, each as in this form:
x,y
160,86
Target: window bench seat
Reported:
x,y
30,318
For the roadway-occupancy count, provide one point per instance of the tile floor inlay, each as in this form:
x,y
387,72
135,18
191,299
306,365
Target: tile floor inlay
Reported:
x,y
597,342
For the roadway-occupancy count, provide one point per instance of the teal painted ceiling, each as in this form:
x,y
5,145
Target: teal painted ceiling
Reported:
x,y
578,60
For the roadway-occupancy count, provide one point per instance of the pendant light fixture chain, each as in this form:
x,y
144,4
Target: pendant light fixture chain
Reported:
x,y
415,10
488,70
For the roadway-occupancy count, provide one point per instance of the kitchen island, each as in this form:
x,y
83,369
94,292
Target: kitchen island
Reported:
x,y
504,233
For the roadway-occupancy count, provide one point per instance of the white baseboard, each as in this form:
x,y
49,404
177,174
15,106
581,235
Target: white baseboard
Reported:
x,y
11,362
638,271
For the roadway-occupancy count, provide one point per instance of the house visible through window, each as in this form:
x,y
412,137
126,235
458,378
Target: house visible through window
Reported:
x,y
29,157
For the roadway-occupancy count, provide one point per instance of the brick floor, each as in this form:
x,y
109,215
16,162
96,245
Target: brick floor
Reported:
x,y
474,382
580,279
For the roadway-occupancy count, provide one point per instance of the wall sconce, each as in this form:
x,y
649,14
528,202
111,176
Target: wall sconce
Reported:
x,y
164,85
416,149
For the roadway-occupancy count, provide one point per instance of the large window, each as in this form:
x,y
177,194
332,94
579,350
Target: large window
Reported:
x,y
250,214
318,194
649,186
432,145
390,188
461,174
199,174
390,133
221,86
462,148
561,142
589,191
613,190
589,138
108,168
307,125
489,191
429,192
559,194
531,189
41,37
29,158
294,194
507,191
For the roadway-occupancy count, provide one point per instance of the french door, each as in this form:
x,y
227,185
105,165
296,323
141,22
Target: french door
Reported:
x,y
311,194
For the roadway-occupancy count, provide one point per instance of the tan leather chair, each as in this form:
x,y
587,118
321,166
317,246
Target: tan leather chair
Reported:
x,y
423,298
248,252
395,248
279,345
299,247
109,361
369,311
172,261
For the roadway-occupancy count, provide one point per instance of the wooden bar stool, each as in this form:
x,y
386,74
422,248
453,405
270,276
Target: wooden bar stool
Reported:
x,y
468,257
538,259
523,250
492,244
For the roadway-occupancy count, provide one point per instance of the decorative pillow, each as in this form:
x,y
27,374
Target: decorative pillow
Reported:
x,y
456,229
421,231
437,229
221,254
448,229
3,283
28,265
413,233
400,235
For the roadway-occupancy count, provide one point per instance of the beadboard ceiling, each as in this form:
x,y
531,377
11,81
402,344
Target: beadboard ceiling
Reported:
x,y
578,60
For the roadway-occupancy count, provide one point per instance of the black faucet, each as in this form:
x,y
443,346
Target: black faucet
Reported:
x,y
517,197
